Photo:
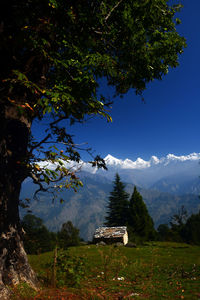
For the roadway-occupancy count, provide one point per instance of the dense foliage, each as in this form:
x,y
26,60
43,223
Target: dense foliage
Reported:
x,y
38,239
132,213
118,205
140,224
181,229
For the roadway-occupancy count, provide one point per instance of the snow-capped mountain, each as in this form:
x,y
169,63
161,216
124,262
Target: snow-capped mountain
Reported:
x,y
154,160
127,163
172,173
157,172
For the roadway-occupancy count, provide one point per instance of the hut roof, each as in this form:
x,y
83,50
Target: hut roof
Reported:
x,y
110,232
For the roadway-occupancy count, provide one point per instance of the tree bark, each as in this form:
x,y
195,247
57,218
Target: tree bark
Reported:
x,y
14,136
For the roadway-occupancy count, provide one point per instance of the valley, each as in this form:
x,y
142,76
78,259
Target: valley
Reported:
x,y
168,184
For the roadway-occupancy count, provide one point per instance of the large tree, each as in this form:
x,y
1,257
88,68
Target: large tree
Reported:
x,y
117,214
140,223
53,53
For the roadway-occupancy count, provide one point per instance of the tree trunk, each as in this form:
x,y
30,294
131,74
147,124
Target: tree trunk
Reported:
x,y
14,135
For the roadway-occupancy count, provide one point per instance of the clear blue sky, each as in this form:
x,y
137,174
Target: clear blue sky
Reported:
x,y
169,120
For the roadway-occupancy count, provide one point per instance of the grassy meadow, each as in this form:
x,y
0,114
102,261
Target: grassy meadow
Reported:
x,y
158,270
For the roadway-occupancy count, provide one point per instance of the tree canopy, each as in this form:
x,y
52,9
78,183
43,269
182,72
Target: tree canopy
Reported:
x,y
54,53
37,238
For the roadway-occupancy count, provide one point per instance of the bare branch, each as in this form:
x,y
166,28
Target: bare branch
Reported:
x,y
114,7
57,121
40,143
37,181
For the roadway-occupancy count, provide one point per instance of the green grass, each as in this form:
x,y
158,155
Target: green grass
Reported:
x,y
156,271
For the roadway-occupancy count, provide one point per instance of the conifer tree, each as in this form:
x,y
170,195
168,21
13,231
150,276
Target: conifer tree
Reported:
x,y
118,205
140,224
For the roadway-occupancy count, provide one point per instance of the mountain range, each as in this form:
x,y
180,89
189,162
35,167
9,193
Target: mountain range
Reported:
x,y
176,174
165,184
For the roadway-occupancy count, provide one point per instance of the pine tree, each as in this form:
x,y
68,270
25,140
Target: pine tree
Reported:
x,y
140,224
118,205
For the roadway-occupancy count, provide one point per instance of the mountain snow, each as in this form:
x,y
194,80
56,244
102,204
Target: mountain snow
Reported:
x,y
127,163
154,160
138,164
155,172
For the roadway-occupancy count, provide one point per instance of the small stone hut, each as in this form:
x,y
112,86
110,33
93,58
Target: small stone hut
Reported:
x,y
110,235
